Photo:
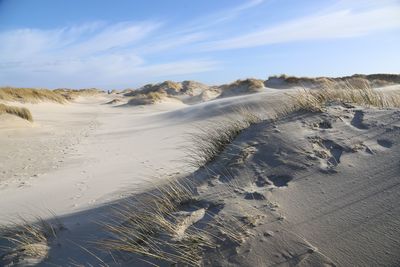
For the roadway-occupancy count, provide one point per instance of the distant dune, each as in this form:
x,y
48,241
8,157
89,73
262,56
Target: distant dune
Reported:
x,y
357,80
191,92
241,87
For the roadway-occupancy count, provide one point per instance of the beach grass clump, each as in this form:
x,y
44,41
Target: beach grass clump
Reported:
x,y
26,240
361,94
208,141
169,224
149,226
30,95
21,112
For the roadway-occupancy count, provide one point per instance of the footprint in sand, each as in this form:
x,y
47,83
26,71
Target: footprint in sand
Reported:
x,y
336,151
358,120
280,180
385,143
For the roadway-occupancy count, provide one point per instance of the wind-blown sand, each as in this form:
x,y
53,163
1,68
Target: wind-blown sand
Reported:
x,y
312,189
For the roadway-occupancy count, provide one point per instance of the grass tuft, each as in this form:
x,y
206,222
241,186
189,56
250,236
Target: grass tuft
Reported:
x,y
358,93
27,240
21,112
207,142
149,226
154,225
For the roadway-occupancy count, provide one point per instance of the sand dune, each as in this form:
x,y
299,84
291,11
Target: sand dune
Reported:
x,y
303,189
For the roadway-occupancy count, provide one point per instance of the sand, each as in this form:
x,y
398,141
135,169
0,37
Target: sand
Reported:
x,y
317,189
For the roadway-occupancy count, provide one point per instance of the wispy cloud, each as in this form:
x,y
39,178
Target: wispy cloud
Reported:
x,y
91,54
336,24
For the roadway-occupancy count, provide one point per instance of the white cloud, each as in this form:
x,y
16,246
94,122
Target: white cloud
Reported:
x,y
336,24
91,54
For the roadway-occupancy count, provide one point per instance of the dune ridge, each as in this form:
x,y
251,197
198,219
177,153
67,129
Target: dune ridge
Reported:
x,y
191,92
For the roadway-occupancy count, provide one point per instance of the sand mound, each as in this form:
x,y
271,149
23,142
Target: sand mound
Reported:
x,y
356,81
8,122
147,98
186,91
72,94
320,160
241,87
114,101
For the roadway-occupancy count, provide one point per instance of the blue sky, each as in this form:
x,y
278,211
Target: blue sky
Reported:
x,y
121,44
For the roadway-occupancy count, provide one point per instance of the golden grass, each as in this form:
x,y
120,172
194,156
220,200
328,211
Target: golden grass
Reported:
x,y
207,142
34,95
357,80
361,94
250,83
30,95
148,226
27,239
21,112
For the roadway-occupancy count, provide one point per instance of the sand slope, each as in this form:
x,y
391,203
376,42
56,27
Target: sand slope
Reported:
x,y
332,180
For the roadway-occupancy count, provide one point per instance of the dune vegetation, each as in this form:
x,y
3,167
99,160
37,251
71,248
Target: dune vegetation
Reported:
x,y
36,95
28,240
21,112
30,95
149,226
170,223
347,94
357,80
209,141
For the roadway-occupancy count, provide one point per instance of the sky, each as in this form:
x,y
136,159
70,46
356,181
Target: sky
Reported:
x,y
128,43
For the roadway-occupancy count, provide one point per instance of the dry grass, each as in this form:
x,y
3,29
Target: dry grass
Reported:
x,y
360,94
27,240
21,112
207,142
30,95
34,95
166,88
241,87
149,226
357,80
251,84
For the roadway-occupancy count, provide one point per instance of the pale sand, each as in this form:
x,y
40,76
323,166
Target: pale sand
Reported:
x,y
79,155
338,209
